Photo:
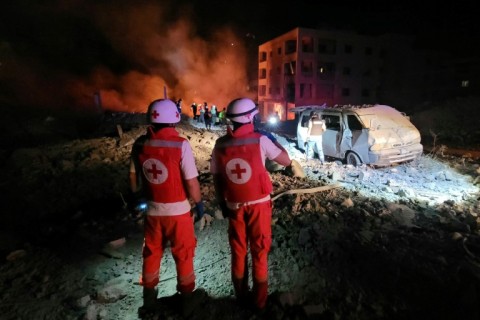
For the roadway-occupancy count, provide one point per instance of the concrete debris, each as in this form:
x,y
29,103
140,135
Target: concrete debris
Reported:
x,y
343,237
83,301
112,291
15,255
347,203
111,252
117,243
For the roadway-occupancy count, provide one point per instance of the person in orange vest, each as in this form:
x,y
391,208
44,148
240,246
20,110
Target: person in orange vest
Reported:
x,y
163,171
316,128
242,188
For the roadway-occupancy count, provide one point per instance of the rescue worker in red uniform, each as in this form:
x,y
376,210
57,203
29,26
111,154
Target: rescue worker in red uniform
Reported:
x,y
243,187
163,170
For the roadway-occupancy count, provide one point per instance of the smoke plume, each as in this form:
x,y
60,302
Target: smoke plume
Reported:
x,y
65,53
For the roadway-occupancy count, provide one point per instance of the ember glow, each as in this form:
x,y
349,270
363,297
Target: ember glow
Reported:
x,y
131,53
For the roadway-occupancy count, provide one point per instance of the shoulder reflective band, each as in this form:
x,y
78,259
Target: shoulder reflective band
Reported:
x,y
238,142
164,143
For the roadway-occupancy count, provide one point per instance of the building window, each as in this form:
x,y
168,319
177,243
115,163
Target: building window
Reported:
x,y
263,56
325,70
279,70
290,46
290,92
347,71
368,51
307,67
270,53
307,44
305,90
289,68
277,90
348,48
270,90
262,73
324,91
262,90
345,92
279,51
327,46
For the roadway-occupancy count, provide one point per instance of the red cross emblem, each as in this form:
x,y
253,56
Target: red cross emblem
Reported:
x,y
155,114
238,171
155,171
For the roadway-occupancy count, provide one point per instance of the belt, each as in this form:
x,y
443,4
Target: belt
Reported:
x,y
238,205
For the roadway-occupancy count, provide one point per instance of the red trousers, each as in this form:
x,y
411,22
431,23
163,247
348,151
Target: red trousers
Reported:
x,y
179,231
250,226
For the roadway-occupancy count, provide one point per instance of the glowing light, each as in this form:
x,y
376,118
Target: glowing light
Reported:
x,y
272,120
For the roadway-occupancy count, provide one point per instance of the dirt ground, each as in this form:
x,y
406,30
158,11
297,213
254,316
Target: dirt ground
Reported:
x,y
393,243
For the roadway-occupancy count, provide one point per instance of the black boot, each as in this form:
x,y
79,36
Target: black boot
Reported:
x,y
150,302
192,301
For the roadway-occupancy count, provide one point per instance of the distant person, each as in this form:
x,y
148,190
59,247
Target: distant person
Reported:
x,y
163,170
207,116
194,110
221,117
214,113
201,118
242,188
316,128
179,105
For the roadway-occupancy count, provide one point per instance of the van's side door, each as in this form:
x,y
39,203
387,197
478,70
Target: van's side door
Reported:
x,y
302,128
332,136
355,137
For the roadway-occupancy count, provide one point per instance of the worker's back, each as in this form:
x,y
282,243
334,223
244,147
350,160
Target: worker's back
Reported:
x,y
316,126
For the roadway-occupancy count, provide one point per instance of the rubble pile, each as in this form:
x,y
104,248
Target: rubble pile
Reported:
x,y
397,243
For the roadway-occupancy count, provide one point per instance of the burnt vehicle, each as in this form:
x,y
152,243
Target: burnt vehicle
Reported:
x,y
376,135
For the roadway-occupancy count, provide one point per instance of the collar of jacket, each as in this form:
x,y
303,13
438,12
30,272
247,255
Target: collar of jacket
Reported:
x,y
243,130
163,133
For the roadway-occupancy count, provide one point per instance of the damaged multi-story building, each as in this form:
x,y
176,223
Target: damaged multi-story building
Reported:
x,y
308,66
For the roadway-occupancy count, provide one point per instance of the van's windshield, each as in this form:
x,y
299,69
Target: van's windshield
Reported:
x,y
384,118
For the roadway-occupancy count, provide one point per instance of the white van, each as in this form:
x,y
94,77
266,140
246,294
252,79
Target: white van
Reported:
x,y
377,135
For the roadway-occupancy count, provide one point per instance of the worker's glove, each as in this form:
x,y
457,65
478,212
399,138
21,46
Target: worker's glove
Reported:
x,y
294,170
225,210
141,205
134,201
200,211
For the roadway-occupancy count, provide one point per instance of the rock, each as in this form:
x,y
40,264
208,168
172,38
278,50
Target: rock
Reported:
x,y
347,203
111,291
15,255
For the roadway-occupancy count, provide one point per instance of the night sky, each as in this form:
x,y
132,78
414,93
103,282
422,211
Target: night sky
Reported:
x,y
57,54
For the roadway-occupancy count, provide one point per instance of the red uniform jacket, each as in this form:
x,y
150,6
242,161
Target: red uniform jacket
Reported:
x,y
241,167
160,162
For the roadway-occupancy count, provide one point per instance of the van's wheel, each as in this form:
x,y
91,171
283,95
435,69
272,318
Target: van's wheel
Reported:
x,y
353,159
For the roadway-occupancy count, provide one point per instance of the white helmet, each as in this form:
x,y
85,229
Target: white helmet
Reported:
x,y
241,110
163,111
